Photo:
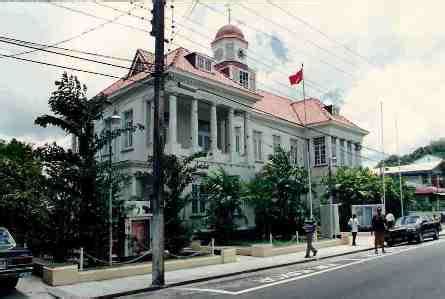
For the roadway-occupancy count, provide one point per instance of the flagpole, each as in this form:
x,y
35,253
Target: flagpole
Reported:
x,y
308,149
400,172
383,160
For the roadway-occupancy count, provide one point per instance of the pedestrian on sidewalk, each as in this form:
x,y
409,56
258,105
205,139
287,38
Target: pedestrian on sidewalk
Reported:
x,y
354,224
310,228
379,228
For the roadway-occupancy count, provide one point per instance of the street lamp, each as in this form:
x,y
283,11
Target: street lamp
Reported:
x,y
114,122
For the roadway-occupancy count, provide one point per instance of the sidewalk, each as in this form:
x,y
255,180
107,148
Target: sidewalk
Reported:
x,y
108,288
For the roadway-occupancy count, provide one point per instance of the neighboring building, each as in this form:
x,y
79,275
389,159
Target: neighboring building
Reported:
x,y
426,171
426,175
213,104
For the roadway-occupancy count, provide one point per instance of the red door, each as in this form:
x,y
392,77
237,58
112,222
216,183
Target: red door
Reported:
x,y
140,234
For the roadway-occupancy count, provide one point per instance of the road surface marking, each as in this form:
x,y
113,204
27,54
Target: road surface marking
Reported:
x,y
309,272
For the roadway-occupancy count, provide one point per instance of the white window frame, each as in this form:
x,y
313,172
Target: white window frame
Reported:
x,y
230,50
276,142
238,139
244,78
293,151
319,151
342,152
349,151
258,145
199,200
128,135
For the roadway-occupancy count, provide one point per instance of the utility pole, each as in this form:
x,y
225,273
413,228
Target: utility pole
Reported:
x,y
331,216
158,278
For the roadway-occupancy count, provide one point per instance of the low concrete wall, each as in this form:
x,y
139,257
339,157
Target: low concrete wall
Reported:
x,y
70,275
244,251
60,276
264,250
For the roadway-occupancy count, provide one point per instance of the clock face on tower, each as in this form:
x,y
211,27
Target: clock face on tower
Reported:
x,y
241,54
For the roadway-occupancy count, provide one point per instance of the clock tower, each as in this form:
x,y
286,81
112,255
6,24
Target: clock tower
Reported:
x,y
229,47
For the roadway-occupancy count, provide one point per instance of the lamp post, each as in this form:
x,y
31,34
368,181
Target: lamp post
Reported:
x,y
114,122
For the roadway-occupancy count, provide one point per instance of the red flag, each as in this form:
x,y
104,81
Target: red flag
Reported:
x,y
296,78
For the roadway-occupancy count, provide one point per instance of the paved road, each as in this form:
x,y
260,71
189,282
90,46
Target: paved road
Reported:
x,y
407,271
29,287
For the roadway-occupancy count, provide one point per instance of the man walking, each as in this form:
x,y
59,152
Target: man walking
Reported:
x,y
354,224
310,227
378,227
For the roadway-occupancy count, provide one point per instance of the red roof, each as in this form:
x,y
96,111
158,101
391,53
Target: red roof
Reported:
x,y
282,107
427,190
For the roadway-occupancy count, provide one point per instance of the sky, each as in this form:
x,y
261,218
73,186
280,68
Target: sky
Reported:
x,y
360,55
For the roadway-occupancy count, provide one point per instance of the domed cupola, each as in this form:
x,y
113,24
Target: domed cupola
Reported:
x,y
230,45
229,51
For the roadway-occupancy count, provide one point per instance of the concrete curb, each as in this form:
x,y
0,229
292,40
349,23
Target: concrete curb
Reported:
x,y
182,283
62,294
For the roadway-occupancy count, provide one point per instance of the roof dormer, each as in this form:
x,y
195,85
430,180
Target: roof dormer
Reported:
x,y
200,61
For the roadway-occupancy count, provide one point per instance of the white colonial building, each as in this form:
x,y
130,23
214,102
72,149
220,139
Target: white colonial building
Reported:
x,y
213,104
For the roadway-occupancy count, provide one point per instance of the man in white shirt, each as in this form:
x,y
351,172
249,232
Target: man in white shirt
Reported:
x,y
390,219
354,224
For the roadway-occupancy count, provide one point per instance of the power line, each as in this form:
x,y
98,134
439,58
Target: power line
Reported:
x,y
77,36
312,84
293,32
299,19
282,119
59,66
270,35
53,45
23,44
71,68
97,17
120,11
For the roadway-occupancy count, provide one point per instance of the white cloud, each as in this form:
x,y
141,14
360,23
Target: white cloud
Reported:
x,y
400,37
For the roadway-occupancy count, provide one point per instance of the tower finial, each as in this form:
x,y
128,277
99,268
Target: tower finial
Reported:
x,y
229,12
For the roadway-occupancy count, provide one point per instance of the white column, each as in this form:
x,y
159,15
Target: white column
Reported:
x,y
248,150
328,143
338,151
194,125
172,123
231,134
354,155
358,158
213,129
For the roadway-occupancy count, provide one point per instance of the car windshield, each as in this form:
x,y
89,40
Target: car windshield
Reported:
x,y
6,240
407,220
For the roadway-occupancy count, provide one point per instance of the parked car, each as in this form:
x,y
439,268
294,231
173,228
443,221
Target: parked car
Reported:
x,y
413,228
15,262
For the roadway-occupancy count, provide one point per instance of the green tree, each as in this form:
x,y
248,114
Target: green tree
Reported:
x,y
356,186
23,204
77,183
178,174
73,175
276,195
224,203
436,148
